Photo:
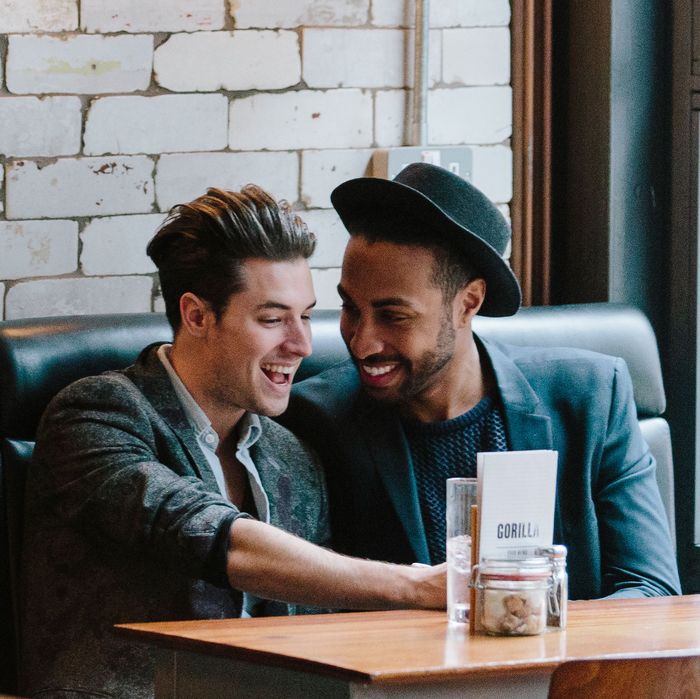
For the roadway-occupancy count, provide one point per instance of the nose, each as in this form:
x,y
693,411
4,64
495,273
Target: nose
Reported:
x,y
298,340
361,338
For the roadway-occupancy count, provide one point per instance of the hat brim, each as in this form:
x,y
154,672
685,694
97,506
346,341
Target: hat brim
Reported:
x,y
355,199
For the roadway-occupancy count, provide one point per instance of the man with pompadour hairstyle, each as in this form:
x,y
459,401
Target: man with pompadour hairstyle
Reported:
x,y
165,492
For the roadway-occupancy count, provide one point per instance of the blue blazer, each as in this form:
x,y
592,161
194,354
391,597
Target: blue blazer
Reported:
x,y
608,509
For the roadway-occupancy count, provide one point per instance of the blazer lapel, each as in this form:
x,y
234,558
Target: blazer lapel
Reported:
x,y
391,456
151,378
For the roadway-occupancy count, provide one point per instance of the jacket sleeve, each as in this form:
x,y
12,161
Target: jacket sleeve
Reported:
x,y
99,466
637,553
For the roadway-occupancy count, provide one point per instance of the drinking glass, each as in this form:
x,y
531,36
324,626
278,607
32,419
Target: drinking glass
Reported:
x,y
461,495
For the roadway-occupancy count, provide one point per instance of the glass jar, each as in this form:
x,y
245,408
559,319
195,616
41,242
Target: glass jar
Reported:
x,y
512,596
559,594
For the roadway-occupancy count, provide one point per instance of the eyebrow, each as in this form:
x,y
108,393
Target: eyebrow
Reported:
x,y
378,303
280,306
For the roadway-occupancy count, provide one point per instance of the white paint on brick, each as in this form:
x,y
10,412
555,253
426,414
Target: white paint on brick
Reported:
x,y
37,248
326,287
181,178
492,172
469,115
443,13
43,127
351,57
117,245
331,237
297,13
304,119
161,124
151,15
79,64
159,304
323,170
238,60
79,296
2,190
38,15
2,301
79,187
476,56
390,110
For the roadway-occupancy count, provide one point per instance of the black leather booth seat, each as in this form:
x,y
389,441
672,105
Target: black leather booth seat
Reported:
x,y
38,357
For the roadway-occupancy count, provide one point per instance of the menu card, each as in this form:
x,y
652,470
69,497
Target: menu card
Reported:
x,y
515,493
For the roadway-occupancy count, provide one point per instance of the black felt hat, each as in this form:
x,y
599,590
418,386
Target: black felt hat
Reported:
x,y
443,206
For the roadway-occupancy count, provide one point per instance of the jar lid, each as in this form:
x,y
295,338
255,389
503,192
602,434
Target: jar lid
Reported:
x,y
554,551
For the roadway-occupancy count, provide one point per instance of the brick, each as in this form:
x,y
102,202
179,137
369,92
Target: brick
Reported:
x,y
38,15
107,16
239,60
331,237
80,187
162,124
390,110
476,56
298,13
304,119
2,191
46,127
78,296
117,245
37,248
181,178
79,64
349,58
443,13
492,172
323,170
476,115
326,287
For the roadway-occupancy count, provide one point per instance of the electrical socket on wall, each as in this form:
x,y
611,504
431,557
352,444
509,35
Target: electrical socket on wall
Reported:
x,y
388,162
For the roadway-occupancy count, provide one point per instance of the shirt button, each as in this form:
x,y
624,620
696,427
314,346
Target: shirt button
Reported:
x,y
209,438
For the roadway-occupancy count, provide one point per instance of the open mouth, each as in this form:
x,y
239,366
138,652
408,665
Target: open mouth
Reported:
x,y
279,373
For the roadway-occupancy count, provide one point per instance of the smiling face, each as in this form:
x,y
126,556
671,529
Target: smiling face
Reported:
x,y
251,353
395,321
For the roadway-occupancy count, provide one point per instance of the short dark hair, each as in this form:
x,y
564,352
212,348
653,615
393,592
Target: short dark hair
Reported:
x,y
202,245
452,270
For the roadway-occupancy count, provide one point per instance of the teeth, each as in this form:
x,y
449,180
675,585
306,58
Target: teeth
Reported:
x,y
378,370
278,368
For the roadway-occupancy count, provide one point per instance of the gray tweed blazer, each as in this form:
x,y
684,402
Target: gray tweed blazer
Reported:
x,y
123,517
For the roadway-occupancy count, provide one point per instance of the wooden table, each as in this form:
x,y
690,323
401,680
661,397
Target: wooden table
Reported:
x,y
403,653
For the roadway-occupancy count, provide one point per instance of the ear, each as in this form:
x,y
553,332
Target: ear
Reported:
x,y
468,301
196,315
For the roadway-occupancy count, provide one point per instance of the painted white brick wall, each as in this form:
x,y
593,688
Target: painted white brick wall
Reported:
x,y
78,64
57,297
331,237
161,124
79,187
240,60
37,248
323,170
44,127
117,245
38,15
151,15
298,13
476,56
304,119
112,111
443,13
181,178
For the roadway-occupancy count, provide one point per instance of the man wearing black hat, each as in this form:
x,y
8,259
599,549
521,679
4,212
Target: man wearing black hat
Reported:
x,y
423,394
